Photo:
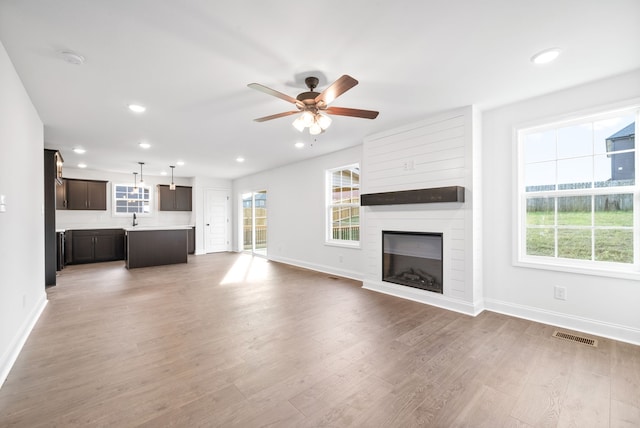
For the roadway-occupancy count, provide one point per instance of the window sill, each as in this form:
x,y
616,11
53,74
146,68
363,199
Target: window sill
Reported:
x,y
343,244
582,270
130,215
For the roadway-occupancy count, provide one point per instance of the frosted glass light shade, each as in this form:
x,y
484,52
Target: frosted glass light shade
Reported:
x,y
308,118
323,120
315,129
299,124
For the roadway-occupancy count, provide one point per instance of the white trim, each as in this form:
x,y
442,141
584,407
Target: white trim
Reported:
x,y
331,270
608,270
11,355
427,297
586,325
344,244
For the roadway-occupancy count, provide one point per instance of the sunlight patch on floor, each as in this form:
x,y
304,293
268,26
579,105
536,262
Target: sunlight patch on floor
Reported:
x,y
246,269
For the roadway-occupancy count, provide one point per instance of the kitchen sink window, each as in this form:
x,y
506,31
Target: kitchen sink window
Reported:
x,y
129,200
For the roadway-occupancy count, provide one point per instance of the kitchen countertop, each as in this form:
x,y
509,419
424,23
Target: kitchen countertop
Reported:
x,y
126,228
135,228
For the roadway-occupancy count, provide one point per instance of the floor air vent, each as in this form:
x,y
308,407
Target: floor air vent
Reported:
x,y
573,338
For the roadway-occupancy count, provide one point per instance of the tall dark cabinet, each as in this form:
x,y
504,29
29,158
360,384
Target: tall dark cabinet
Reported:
x,y
52,175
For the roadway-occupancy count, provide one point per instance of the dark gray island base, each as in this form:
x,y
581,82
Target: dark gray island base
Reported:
x,y
155,247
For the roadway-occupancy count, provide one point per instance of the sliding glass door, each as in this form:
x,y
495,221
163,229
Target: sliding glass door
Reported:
x,y
254,220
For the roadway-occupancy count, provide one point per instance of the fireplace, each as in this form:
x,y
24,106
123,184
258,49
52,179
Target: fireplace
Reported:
x,y
413,259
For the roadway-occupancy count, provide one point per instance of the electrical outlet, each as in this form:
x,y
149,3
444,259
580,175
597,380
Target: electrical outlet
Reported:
x,y
560,293
408,165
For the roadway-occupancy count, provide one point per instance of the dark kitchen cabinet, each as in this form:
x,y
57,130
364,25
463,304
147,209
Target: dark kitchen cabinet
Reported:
x,y
61,195
174,200
52,168
191,240
97,245
83,195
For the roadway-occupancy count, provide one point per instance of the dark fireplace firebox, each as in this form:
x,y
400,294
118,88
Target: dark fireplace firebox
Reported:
x,y
413,259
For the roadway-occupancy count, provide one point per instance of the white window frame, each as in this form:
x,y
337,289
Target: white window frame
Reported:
x,y
114,200
329,240
609,269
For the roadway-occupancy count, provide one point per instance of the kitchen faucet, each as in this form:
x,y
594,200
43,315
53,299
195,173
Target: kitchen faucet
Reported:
x,y
135,220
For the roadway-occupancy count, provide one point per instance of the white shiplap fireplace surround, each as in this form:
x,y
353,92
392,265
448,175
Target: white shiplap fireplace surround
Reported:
x,y
440,151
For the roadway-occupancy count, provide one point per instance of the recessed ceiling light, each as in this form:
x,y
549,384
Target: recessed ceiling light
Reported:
x,y
546,56
71,57
137,108
240,159
299,145
144,145
79,150
163,173
180,163
82,165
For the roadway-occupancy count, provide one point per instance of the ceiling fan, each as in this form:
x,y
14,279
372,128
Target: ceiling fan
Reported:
x,y
314,105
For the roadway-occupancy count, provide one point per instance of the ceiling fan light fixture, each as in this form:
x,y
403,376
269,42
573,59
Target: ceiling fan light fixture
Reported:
x,y
323,120
299,124
315,129
308,118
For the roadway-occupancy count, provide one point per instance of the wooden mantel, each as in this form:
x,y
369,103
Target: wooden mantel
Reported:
x,y
419,196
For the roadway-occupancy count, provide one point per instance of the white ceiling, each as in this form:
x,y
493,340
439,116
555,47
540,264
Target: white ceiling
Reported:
x,y
189,62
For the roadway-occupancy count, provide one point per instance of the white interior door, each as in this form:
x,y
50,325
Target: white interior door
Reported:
x,y
216,221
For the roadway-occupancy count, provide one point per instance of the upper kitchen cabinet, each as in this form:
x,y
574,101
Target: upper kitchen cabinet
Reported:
x,y
83,195
174,200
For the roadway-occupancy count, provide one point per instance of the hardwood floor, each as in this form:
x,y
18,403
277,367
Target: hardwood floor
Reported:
x,y
230,340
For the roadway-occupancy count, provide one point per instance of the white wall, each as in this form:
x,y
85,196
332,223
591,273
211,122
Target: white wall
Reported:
x,y
295,214
22,295
596,304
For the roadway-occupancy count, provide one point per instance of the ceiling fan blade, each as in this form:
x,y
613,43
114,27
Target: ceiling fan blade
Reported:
x,y
275,116
273,92
337,88
353,112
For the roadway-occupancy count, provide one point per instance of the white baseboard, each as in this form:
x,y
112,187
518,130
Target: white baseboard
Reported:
x,y
585,325
331,270
9,358
427,297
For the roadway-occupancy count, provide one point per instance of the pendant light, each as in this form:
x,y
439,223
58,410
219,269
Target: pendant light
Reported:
x,y
135,181
172,186
141,178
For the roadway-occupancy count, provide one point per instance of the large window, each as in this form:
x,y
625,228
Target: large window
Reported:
x,y
128,199
578,193
343,205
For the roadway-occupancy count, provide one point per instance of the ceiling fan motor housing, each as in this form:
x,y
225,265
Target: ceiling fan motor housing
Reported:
x,y
308,98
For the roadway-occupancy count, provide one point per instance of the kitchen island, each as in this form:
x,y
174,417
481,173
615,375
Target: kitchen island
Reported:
x,y
155,246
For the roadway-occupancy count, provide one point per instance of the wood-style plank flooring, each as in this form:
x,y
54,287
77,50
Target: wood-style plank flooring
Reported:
x,y
231,340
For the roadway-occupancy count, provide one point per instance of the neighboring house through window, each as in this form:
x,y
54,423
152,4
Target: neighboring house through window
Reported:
x,y
343,205
578,193
128,199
